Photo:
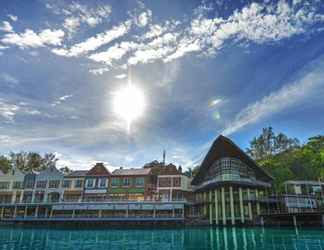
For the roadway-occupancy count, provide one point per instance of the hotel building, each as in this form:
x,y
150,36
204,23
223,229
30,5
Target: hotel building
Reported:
x,y
229,185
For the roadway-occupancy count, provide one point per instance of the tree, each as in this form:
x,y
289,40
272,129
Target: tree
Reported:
x,y
65,170
27,161
5,164
268,144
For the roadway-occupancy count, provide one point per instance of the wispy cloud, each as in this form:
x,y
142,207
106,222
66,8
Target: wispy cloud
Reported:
x,y
31,39
8,79
310,85
61,99
13,17
95,42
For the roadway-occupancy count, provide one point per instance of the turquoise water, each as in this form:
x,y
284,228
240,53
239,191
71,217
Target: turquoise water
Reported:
x,y
179,238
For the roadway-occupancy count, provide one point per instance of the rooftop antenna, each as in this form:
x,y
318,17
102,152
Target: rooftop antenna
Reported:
x,y
164,153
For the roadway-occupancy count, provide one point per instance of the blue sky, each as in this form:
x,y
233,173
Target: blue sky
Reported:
x,y
205,68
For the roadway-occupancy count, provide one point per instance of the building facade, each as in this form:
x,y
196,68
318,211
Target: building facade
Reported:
x,y
73,185
131,184
96,183
11,186
229,185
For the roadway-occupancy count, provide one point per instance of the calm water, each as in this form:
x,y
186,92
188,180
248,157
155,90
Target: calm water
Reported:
x,y
192,238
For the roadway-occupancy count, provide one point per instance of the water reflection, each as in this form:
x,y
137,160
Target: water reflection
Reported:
x,y
189,238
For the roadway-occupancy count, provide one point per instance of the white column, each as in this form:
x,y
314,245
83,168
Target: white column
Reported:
x,y
210,208
13,199
36,211
33,196
100,213
15,212
249,204
223,206
21,196
232,206
216,207
241,205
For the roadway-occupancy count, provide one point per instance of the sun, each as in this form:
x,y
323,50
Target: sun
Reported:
x,y
129,103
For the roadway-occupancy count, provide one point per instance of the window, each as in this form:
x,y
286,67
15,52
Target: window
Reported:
x,y
17,185
41,184
54,184
126,182
67,183
177,181
4,184
165,182
115,182
90,183
139,181
78,183
103,182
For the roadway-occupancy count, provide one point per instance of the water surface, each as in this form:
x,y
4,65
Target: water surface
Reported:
x,y
178,238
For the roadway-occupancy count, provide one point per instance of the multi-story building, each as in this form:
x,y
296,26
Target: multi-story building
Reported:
x,y
229,185
73,185
48,186
96,182
131,184
11,186
172,184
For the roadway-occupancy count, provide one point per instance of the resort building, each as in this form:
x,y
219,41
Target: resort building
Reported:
x,y
229,185
73,185
96,182
11,186
172,184
132,184
48,187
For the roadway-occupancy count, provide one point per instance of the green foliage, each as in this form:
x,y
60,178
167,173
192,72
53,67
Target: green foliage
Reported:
x,y
286,160
27,161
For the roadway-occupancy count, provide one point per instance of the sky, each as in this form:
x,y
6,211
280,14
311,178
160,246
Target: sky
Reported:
x,y
205,68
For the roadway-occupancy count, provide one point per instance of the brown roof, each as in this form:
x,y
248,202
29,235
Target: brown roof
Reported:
x,y
224,147
98,170
132,171
77,173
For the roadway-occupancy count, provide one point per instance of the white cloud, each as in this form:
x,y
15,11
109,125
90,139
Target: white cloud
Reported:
x,y
144,18
121,76
288,96
71,24
13,17
215,102
8,111
95,42
30,39
6,27
61,99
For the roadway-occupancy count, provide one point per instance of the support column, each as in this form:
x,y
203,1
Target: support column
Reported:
x,y
73,213
257,202
21,197
15,212
154,212
249,204
232,206
210,208
51,213
100,213
33,197
13,199
241,205
223,206
46,212
25,212
216,207
36,212
173,212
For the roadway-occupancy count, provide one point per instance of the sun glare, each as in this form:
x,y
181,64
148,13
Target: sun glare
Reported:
x,y
129,104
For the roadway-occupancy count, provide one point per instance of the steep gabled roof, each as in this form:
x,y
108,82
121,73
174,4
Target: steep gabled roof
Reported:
x,y
98,170
224,147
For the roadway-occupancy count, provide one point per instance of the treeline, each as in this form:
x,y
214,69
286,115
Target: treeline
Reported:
x,y
286,158
28,161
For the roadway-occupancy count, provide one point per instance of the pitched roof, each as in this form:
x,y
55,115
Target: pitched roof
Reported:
x,y
77,173
132,171
98,170
224,147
